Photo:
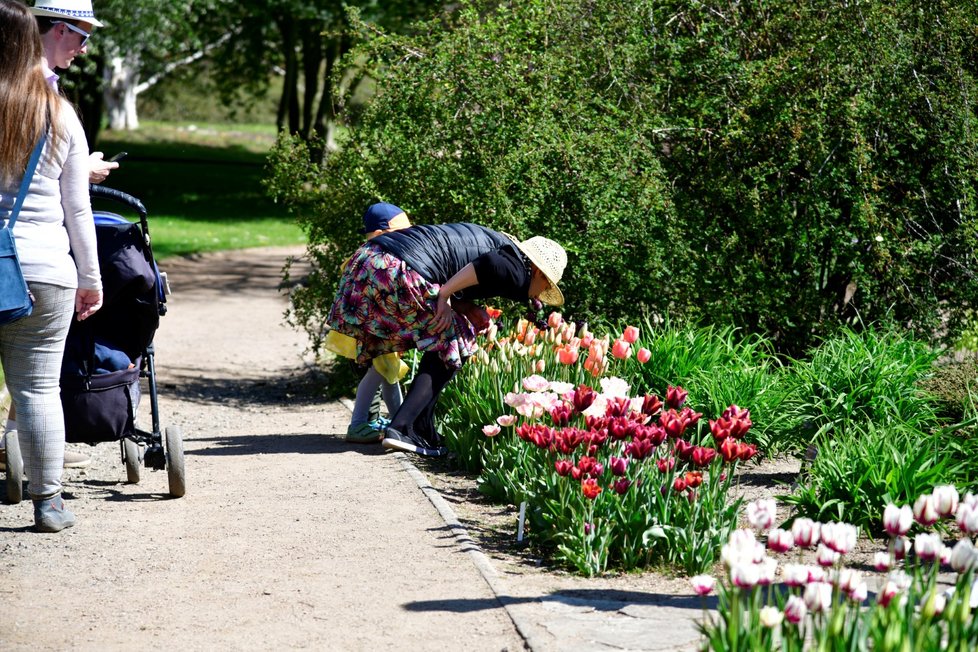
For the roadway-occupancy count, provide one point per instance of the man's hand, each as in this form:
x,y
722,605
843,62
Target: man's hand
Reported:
x,y
98,168
87,302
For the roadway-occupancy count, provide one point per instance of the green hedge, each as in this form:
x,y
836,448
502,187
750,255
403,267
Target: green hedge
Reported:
x,y
784,168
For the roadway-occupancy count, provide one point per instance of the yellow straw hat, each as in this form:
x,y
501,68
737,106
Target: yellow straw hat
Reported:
x,y
551,259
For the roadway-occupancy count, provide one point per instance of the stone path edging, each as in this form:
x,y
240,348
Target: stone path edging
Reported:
x,y
468,545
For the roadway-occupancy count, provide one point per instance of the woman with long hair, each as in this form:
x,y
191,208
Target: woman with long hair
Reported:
x,y
55,239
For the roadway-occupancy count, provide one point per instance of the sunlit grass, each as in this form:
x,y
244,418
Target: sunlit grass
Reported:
x,y
201,185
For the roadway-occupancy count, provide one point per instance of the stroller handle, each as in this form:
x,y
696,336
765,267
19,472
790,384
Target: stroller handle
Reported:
x,y
95,190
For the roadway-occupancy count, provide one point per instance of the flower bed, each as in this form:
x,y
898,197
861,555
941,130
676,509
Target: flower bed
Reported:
x,y
826,605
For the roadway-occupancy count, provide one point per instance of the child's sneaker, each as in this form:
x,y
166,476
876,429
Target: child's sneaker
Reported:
x,y
362,433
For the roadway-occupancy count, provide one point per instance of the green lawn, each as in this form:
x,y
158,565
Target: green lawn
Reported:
x,y
201,185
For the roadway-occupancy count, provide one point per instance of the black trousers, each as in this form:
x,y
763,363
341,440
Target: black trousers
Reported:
x,y
416,415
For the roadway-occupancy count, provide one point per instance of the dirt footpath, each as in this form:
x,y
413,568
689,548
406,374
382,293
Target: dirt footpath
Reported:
x,y
287,536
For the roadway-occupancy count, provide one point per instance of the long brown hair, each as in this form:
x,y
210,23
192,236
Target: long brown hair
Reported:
x,y
27,101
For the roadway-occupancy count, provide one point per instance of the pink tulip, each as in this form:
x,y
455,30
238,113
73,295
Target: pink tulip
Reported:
x,y
967,518
643,355
555,320
506,420
568,355
794,574
703,584
490,430
621,349
900,547
889,591
745,575
630,335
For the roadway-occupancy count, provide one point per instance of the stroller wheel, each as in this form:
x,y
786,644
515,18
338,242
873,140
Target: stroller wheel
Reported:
x,y
174,462
130,456
15,468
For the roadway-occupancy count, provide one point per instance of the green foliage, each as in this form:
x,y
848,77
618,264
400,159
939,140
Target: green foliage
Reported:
x,y
855,379
783,168
858,472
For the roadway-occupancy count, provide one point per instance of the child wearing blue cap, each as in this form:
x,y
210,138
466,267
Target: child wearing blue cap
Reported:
x,y
386,370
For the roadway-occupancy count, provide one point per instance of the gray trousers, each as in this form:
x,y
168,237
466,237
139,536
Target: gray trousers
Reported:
x,y
367,390
30,352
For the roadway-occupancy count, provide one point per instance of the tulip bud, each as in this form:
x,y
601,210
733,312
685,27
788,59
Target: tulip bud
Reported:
x,y
702,584
897,520
771,617
795,610
925,511
818,596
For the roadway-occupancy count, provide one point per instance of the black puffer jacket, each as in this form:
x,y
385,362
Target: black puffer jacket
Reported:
x,y
439,251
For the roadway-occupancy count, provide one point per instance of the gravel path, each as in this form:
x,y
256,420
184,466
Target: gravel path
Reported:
x,y
287,536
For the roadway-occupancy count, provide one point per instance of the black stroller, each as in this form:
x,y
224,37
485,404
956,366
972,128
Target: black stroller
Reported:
x,y
107,354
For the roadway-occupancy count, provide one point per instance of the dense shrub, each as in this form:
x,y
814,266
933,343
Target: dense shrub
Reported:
x,y
783,167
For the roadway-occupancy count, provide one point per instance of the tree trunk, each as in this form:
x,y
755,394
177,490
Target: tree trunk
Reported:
x,y
121,89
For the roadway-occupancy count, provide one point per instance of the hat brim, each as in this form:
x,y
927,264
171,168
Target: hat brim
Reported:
x,y
552,295
47,13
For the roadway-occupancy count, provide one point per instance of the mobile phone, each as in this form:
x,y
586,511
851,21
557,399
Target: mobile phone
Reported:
x,y
118,157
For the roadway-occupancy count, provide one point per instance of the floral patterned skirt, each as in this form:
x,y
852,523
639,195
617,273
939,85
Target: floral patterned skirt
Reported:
x,y
387,307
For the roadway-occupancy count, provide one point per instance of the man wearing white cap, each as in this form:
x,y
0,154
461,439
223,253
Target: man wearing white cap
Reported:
x,y
65,26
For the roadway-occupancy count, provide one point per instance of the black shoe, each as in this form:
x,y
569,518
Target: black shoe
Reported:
x,y
399,441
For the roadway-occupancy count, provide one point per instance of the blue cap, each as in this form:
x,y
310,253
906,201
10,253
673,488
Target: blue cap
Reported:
x,y
378,217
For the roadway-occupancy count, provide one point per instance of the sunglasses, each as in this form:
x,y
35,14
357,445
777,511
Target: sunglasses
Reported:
x,y
77,30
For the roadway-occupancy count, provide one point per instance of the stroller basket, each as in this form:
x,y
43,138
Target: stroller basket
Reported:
x,y
100,407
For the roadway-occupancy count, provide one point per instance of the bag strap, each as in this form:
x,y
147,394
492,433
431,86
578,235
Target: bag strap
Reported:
x,y
26,182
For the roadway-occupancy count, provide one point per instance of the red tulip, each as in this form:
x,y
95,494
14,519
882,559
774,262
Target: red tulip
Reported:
x,y
590,467
630,335
693,479
494,313
563,467
703,456
679,484
561,414
639,449
651,405
729,449
618,406
675,397
684,449
618,465
666,464
583,397
621,486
